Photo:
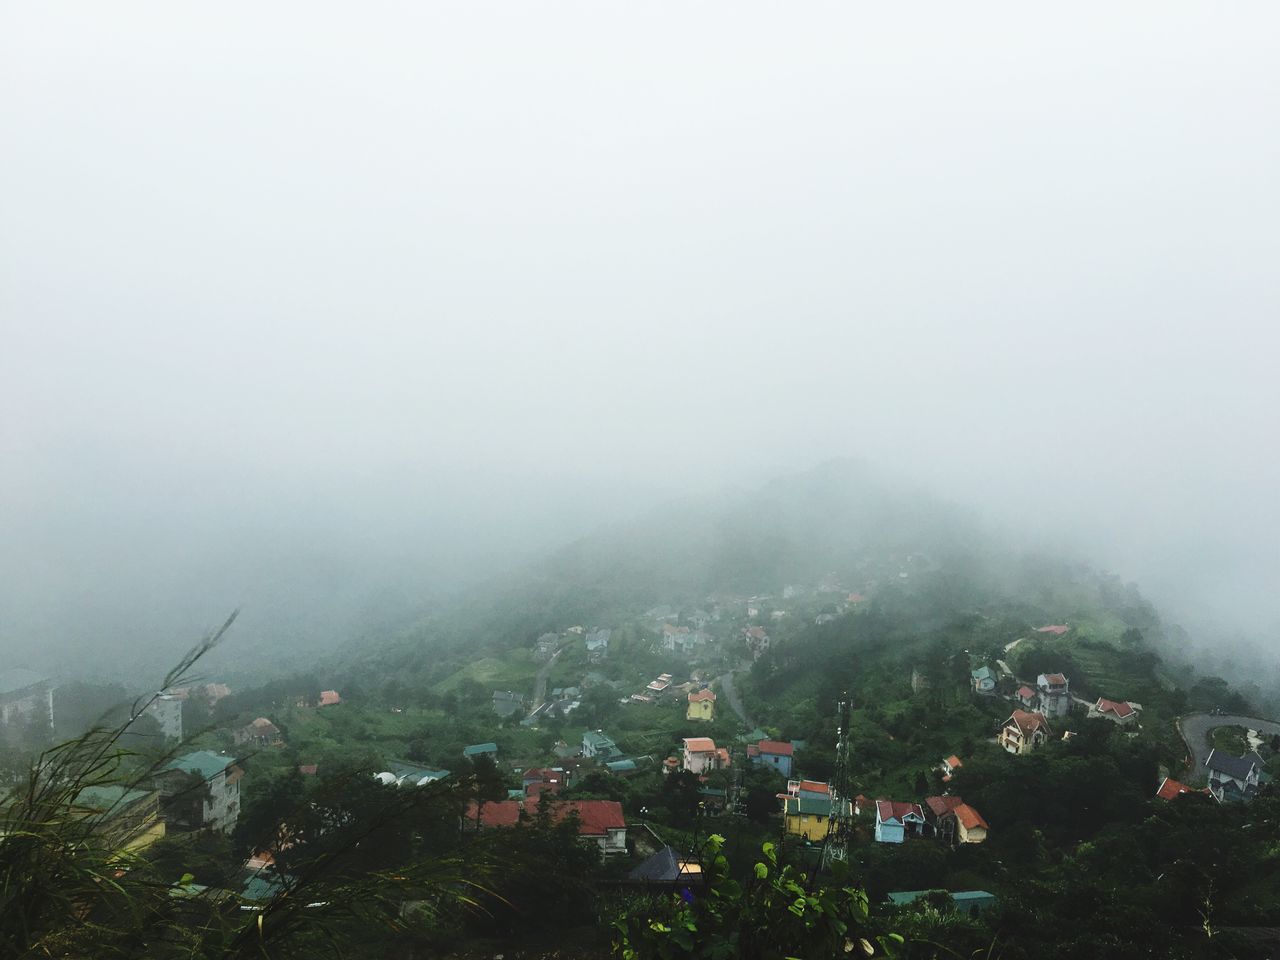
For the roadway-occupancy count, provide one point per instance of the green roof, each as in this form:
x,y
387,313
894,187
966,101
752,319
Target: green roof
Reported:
x,y
477,749
808,806
204,762
616,765
904,897
110,799
711,792
982,673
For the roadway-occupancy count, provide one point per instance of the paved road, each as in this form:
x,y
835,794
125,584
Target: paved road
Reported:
x,y
1195,729
540,688
731,695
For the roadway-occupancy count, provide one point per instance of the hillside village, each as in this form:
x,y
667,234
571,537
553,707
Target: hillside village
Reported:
x,y
643,737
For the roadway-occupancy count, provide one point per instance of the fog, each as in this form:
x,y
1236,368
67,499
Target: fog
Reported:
x,y
325,309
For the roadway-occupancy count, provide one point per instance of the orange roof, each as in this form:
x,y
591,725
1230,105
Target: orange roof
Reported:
x,y
814,786
1055,628
329,697
699,695
699,744
953,761
723,754
969,817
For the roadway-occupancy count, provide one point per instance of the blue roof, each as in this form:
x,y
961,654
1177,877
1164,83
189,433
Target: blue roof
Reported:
x,y
476,749
616,765
982,673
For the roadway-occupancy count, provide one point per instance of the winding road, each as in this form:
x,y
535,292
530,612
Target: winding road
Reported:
x,y
731,694
540,688
1195,729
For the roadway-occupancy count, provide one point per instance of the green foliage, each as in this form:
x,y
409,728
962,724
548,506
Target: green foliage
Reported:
x,y
774,914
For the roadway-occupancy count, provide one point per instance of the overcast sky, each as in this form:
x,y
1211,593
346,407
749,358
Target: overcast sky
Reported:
x,y
358,267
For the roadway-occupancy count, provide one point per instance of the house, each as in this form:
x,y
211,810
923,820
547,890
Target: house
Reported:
x,y
625,767
128,819
953,821
329,698
810,817
896,821
475,750
308,769
1055,629
967,902
597,744
1027,697
1170,789
919,680
1054,694
260,733
757,640
166,709
776,754
983,680
660,685
701,755
808,789
598,644
26,698
1233,779
949,767
713,799
1117,711
546,779
702,705
1024,732
599,821
677,639
200,791
667,868
506,703
545,646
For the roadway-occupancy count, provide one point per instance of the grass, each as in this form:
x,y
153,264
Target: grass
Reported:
x,y
515,671
1230,740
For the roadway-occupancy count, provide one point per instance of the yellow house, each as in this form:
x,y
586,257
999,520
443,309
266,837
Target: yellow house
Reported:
x,y
702,705
809,817
127,819
1024,732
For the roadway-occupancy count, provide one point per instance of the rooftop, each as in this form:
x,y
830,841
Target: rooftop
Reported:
x,y
204,762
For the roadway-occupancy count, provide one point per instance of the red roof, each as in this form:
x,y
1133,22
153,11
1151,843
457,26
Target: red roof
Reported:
x,y
542,773
1119,708
856,598
953,762
329,697
1028,723
496,813
1055,628
596,816
539,787
894,810
308,769
776,747
699,695
756,633
723,754
1171,788
700,745
941,805
1056,679
1025,692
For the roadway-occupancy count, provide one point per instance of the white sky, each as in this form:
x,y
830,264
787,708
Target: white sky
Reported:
x,y
255,253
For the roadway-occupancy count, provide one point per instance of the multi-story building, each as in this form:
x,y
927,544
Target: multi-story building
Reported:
x,y
26,698
1023,732
1054,694
200,791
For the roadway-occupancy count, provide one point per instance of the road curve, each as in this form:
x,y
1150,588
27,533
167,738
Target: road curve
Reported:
x,y
731,694
1195,728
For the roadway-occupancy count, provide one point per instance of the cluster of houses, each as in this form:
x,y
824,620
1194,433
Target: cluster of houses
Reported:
x,y
947,818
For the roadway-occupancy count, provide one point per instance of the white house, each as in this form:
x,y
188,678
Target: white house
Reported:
x,y
701,755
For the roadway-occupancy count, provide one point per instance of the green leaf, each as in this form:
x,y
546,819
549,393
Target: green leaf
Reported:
x,y
761,871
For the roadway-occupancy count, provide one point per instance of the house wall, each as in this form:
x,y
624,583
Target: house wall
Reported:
x,y
780,763
24,705
811,826
701,710
222,809
889,832
699,762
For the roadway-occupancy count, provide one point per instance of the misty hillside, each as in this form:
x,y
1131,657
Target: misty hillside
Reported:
x,y
843,523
